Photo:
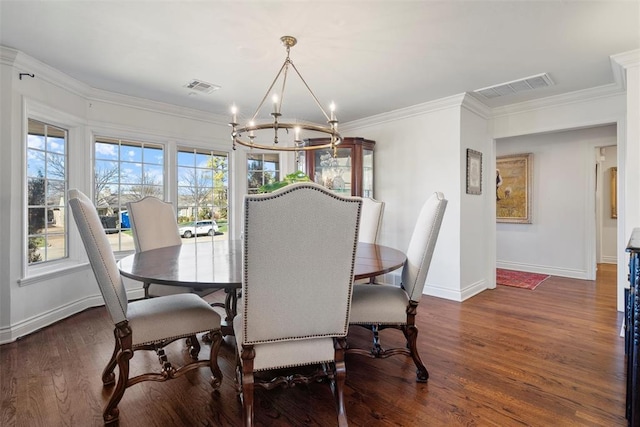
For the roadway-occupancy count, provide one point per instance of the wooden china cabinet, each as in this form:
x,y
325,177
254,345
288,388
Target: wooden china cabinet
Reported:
x,y
349,172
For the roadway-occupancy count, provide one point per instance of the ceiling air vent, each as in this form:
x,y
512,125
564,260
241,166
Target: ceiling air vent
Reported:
x,y
533,82
201,86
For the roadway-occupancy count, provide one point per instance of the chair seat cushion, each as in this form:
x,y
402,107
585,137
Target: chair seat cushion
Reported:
x,y
286,354
169,317
378,304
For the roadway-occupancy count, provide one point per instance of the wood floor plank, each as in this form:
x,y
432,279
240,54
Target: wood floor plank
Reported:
x,y
506,357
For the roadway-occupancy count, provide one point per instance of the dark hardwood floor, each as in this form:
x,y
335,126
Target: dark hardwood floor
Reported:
x,y
506,357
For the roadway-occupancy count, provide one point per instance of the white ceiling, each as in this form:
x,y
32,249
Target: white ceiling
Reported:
x,y
369,57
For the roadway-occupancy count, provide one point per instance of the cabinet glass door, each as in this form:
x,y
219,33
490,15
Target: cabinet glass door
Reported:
x,y
367,173
333,172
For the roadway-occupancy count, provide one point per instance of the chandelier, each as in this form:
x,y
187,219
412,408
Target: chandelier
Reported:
x,y
271,136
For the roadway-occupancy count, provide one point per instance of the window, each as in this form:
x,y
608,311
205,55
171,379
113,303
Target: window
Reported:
x,y
203,192
262,169
46,189
125,171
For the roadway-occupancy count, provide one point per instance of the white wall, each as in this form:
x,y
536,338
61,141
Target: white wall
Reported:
x,y
422,150
6,71
576,111
414,157
477,241
560,240
629,176
35,297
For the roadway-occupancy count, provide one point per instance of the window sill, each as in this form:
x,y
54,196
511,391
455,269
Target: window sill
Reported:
x,y
44,273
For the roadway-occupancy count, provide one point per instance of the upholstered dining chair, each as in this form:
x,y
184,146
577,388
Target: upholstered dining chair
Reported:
x,y
296,299
148,324
380,306
371,219
370,224
154,225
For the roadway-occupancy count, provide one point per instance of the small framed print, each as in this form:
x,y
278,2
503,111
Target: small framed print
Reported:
x,y
474,172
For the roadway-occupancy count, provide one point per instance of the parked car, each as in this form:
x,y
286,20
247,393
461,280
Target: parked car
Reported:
x,y
109,223
190,229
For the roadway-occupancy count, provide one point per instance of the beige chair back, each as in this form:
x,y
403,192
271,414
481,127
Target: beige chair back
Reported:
x,y
100,255
298,260
422,245
371,220
153,224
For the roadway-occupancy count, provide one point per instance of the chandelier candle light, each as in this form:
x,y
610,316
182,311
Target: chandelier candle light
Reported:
x,y
274,144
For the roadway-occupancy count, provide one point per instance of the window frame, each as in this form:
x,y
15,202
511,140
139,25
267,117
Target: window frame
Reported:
x,y
279,171
49,178
42,271
138,140
196,150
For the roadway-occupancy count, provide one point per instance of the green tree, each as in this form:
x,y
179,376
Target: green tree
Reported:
x,y
220,196
35,196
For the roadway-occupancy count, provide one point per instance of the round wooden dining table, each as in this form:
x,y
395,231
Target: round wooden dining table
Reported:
x,y
217,264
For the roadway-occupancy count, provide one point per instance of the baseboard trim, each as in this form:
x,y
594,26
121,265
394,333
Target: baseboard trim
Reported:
x,y
35,323
440,292
541,269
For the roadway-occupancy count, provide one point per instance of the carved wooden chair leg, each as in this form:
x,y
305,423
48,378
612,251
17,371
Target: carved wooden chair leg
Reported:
x,y
108,377
248,354
376,350
338,382
216,341
111,412
411,334
194,347
231,303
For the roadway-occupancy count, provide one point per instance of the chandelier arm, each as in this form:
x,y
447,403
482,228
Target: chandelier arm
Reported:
x,y
310,91
284,66
284,81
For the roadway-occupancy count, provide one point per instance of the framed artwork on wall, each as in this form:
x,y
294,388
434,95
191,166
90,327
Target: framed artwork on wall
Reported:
x,y
513,188
474,172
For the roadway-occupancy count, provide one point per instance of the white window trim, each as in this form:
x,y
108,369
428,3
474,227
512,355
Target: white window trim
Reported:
x,y
74,125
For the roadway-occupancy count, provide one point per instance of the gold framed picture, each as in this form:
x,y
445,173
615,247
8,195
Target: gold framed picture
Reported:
x,y
513,188
474,172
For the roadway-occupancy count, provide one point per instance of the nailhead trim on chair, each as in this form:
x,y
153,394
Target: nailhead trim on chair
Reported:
x,y
284,191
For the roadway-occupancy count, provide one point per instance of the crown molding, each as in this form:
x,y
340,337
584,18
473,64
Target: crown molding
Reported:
x,y
99,95
404,113
25,63
622,61
7,55
619,63
627,59
44,72
579,96
476,106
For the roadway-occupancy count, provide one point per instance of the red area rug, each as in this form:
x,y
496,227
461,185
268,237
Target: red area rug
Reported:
x,y
519,279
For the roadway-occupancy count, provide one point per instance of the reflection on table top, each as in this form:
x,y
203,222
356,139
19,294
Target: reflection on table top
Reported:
x,y
219,264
